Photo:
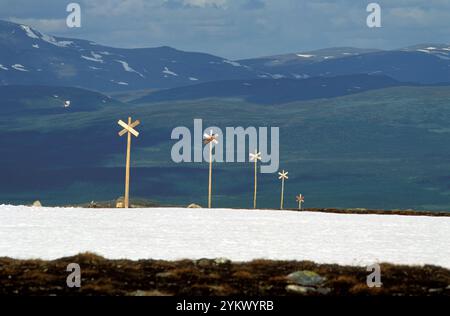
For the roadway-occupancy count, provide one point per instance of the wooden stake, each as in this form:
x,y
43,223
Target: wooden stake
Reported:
x,y
256,183
210,139
210,175
129,130
127,172
255,157
282,176
300,199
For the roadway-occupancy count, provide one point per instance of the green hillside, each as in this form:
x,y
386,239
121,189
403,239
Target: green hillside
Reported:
x,y
380,149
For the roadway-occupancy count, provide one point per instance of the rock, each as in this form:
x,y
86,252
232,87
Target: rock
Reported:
x,y
193,205
435,290
37,204
203,263
306,278
305,290
120,202
297,289
163,275
221,261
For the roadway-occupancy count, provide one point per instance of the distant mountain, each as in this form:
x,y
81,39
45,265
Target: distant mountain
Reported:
x,y
271,91
427,63
291,65
28,56
39,100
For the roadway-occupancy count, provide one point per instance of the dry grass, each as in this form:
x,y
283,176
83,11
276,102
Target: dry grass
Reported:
x,y
100,276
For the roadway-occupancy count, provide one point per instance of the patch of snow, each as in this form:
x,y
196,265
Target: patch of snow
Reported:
x,y
3,67
95,58
29,31
105,53
328,57
431,48
300,76
168,72
423,51
19,67
67,103
278,76
305,55
35,46
94,68
95,55
240,235
122,83
51,40
193,79
232,63
127,68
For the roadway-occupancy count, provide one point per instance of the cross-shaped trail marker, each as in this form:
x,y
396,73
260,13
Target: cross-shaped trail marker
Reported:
x,y
129,130
255,157
283,175
300,199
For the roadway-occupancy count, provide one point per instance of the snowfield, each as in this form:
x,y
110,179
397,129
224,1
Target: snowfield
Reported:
x,y
240,235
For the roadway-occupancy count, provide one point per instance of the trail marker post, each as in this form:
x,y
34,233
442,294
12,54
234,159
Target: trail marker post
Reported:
x,y
300,199
210,139
255,157
282,176
128,129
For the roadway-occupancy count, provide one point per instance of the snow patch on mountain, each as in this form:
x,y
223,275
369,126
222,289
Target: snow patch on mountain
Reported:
x,y
51,40
19,67
35,46
95,58
3,67
169,72
29,31
305,55
232,63
193,79
127,68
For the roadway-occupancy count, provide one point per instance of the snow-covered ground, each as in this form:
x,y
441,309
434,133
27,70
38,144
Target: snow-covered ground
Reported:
x,y
174,233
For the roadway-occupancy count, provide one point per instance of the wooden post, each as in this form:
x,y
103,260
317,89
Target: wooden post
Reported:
x,y
300,199
255,157
129,130
256,183
282,176
210,175
127,172
210,139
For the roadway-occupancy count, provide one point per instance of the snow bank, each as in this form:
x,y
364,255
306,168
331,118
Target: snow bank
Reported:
x,y
174,233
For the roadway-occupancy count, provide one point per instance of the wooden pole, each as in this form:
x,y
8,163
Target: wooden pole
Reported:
x,y
210,175
282,193
127,172
256,183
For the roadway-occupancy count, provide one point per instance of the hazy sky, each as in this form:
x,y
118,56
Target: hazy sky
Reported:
x,y
240,28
